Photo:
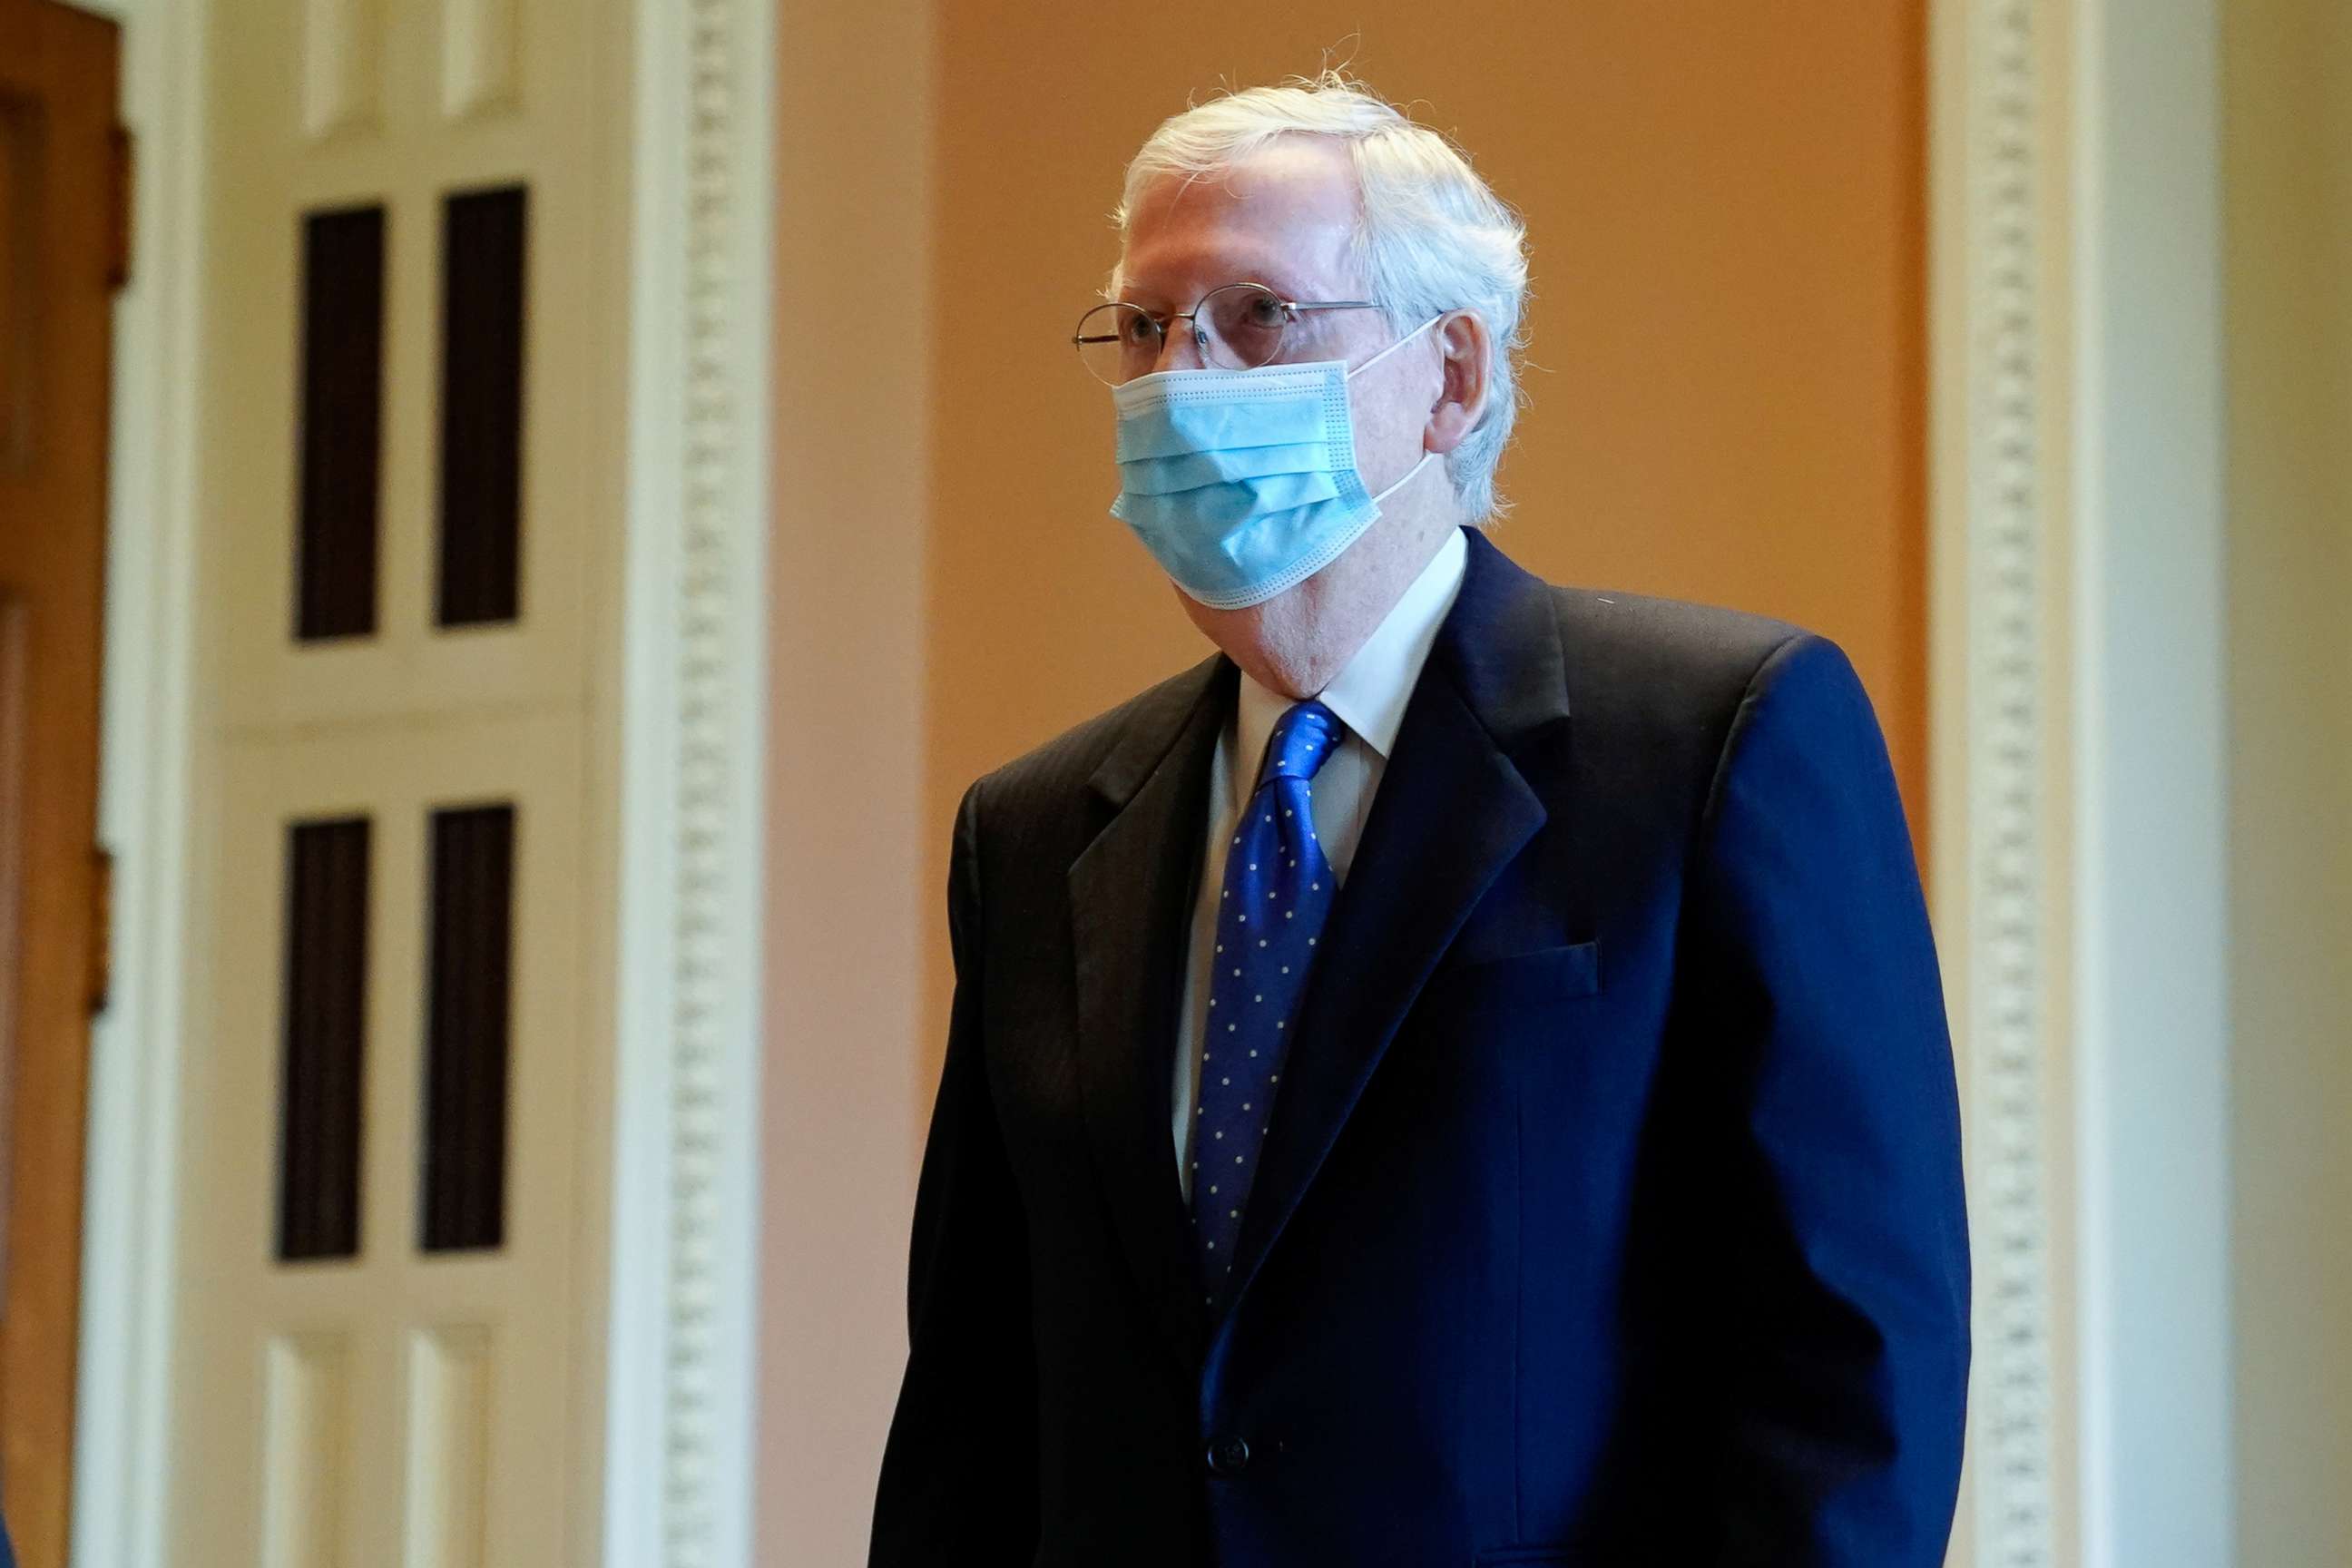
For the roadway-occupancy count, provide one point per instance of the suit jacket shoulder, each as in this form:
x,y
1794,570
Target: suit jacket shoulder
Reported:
x,y
1663,654
1131,737
1655,684
1657,688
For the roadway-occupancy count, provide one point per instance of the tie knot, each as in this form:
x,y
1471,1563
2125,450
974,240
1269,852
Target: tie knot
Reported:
x,y
1303,738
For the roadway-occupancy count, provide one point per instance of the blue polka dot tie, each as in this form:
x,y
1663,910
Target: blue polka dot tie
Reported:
x,y
1278,888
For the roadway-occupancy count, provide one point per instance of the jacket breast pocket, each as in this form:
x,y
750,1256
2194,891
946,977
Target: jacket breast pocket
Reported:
x,y
1550,975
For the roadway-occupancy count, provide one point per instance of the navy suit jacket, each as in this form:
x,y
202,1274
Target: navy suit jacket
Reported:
x,y
1612,1209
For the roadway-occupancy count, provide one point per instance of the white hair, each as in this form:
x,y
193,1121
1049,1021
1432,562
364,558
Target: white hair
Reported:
x,y
1432,235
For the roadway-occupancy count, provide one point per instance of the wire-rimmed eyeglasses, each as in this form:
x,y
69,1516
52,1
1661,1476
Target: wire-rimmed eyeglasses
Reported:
x,y
1239,326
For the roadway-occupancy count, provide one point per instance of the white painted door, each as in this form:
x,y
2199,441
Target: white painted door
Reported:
x,y
393,1156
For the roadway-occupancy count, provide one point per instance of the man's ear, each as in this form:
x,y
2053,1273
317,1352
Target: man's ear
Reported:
x,y
1467,349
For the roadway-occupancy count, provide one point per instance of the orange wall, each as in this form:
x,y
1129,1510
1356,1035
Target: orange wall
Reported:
x,y
1728,226
849,911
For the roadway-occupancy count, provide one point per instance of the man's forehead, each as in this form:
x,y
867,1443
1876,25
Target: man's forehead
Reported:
x,y
1291,204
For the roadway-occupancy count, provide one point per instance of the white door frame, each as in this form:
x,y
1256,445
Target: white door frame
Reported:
x,y
686,1229
146,810
1998,707
2078,683
674,1385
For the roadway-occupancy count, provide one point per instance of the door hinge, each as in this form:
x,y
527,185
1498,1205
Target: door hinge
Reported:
x,y
101,928
118,255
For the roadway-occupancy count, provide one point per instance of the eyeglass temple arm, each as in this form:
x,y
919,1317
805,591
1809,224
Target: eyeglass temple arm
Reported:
x,y
1082,339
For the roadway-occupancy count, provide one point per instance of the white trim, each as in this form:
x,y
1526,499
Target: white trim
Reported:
x,y
2094,1394
2079,732
121,1445
2151,918
678,1457
1992,514
679,1416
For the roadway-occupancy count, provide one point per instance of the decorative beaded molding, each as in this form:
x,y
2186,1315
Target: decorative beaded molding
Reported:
x,y
2007,803
699,1090
681,1444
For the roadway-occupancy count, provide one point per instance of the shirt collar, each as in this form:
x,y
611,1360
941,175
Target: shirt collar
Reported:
x,y
1369,696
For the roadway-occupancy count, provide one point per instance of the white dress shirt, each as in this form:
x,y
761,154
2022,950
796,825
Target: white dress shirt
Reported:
x,y
1369,698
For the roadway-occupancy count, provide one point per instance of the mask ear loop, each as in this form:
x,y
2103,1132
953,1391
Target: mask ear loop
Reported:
x,y
1409,473
1396,346
1376,359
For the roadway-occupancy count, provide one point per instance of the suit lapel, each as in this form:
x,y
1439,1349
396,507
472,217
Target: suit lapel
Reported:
x,y
1131,897
1452,811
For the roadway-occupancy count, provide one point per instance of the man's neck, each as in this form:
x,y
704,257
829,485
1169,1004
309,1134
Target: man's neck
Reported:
x,y
1295,642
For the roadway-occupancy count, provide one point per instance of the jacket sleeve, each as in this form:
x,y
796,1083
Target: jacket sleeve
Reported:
x,y
959,1480
1843,1257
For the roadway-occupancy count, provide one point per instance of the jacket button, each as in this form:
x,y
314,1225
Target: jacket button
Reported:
x,y
1228,1455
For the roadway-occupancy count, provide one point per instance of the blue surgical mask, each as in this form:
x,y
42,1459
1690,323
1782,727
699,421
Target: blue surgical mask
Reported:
x,y
1243,483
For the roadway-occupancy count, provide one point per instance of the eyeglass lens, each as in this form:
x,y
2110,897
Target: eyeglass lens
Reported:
x,y
1240,327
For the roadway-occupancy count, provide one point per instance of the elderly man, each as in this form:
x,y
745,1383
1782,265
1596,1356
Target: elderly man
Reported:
x,y
1460,1076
